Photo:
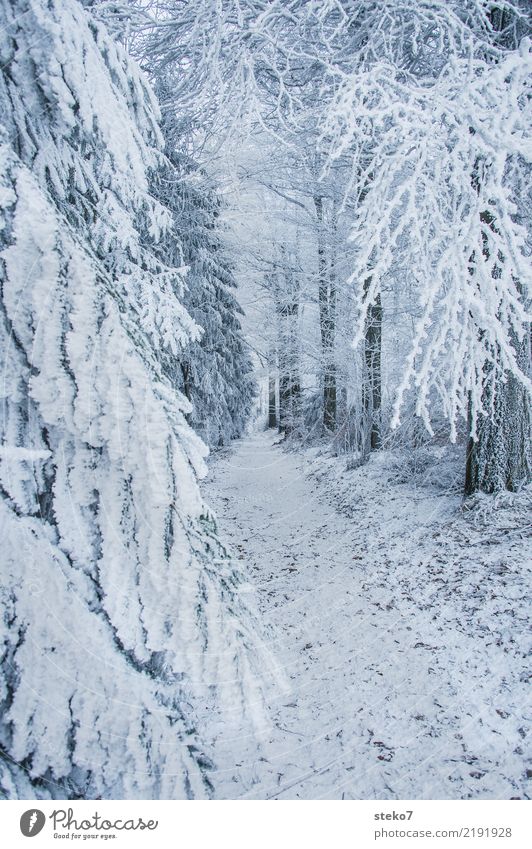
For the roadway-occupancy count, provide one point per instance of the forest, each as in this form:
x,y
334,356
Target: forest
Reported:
x,y
265,459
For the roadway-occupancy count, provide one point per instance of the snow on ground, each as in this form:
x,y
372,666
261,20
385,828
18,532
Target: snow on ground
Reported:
x,y
400,621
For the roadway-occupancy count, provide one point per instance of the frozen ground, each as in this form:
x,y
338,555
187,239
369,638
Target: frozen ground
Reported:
x,y
399,619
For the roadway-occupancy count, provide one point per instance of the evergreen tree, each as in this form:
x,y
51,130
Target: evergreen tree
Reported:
x,y
215,370
119,604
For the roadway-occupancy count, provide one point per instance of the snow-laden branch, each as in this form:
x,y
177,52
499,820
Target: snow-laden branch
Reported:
x,y
431,168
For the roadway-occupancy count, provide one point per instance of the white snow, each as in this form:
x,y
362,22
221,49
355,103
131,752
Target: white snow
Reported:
x,y
399,620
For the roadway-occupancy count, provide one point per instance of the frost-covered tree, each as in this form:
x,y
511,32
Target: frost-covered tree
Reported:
x,y
435,115
214,371
120,607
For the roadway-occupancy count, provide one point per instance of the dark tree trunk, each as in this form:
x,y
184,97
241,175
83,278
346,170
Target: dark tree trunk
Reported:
x,y
187,389
327,311
272,401
287,306
289,382
372,386
285,419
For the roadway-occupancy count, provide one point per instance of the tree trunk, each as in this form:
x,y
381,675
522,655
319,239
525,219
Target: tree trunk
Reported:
x,y
272,401
501,456
285,423
286,294
187,389
372,386
327,312
289,382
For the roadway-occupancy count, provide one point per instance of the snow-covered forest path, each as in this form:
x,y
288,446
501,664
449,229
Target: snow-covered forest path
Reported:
x,y
398,689
390,696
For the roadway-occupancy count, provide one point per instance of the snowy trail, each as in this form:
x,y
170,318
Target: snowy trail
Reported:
x,y
382,701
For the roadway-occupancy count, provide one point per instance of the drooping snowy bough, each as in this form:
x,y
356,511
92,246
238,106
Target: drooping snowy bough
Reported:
x,y
436,120
121,611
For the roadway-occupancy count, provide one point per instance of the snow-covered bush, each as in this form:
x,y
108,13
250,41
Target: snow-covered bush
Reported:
x,y
120,608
